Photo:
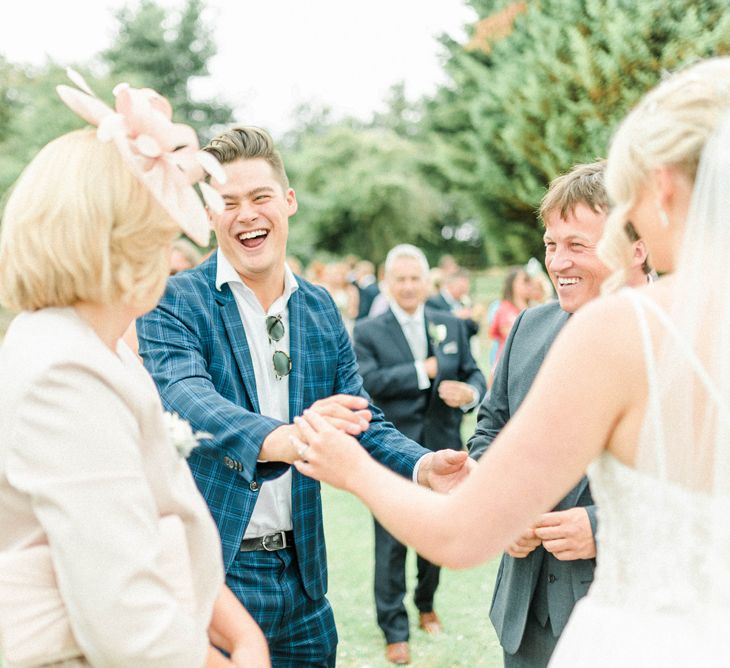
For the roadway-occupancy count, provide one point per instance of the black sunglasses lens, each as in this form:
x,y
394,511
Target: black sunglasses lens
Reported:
x,y
275,328
282,363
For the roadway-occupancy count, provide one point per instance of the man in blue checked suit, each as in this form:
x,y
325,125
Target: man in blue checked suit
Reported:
x,y
240,347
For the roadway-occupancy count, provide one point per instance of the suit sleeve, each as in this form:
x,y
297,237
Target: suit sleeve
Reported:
x,y
469,371
494,413
399,380
382,440
171,347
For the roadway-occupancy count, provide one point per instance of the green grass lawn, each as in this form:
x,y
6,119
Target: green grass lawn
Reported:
x,y
462,599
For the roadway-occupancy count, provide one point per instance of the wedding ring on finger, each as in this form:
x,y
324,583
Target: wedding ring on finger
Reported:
x,y
301,446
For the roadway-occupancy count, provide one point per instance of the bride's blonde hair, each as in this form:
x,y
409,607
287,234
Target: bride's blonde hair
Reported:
x,y
669,127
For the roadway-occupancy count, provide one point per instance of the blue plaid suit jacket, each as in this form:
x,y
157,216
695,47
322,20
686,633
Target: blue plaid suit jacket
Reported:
x,y
194,346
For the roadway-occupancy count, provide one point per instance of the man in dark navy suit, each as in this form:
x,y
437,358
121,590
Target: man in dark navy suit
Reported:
x,y
417,366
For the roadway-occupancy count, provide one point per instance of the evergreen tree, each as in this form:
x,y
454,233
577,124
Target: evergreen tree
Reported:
x,y
550,94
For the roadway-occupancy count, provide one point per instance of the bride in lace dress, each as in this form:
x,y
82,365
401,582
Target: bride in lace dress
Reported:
x,y
643,405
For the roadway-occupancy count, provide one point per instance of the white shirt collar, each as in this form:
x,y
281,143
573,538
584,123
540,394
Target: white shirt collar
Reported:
x,y
225,273
402,317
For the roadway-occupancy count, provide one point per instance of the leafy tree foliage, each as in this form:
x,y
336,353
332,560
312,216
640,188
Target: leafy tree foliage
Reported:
x,y
526,107
165,52
151,49
360,191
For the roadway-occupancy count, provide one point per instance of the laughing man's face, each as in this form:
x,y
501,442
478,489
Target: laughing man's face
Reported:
x,y
253,229
570,255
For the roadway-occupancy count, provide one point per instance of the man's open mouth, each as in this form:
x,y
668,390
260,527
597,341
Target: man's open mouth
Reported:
x,y
565,282
253,238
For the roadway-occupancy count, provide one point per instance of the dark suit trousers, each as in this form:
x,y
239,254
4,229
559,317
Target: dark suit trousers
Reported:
x,y
536,648
390,585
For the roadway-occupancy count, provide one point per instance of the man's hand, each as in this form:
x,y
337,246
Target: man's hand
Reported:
x,y
345,412
443,470
525,544
432,367
567,534
455,394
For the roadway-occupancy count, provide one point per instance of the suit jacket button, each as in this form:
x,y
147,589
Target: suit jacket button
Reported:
x,y
551,578
253,486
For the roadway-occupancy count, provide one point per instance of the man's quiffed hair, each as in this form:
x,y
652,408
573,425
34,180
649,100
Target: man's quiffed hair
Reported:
x,y
583,184
247,143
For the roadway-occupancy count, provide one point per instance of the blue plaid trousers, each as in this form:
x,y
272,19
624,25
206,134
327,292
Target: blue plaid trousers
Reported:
x,y
300,631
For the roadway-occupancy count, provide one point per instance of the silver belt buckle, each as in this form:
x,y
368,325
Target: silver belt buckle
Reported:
x,y
274,541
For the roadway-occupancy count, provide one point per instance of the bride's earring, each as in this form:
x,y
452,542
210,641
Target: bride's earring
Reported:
x,y
663,217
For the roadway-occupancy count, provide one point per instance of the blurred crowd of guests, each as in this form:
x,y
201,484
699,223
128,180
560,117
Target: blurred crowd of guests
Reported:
x,y
360,292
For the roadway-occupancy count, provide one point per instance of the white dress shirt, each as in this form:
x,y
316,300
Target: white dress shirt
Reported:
x,y
272,511
414,329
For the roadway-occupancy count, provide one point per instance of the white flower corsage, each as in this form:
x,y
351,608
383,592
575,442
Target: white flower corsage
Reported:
x,y
437,333
181,434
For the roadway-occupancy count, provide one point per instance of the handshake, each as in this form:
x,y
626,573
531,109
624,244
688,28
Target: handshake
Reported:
x,y
322,445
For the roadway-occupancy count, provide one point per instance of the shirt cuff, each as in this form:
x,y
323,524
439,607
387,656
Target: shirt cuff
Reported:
x,y
474,402
417,467
424,382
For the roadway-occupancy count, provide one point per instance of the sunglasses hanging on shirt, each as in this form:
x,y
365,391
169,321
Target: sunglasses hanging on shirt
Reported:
x,y
282,361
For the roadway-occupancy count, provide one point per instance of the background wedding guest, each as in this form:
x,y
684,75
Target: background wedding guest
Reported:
x,y
91,485
240,348
454,297
184,255
515,298
342,291
417,366
366,283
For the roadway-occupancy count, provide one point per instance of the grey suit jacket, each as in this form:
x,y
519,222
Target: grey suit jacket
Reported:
x,y
524,351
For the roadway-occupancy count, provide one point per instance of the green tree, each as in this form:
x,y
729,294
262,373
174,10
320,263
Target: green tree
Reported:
x,y
549,95
360,190
31,114
165,52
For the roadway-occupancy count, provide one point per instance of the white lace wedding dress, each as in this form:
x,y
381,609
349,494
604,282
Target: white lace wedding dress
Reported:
x,y
661,593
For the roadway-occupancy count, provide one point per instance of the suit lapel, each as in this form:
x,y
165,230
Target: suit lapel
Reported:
x,y
296,348
397,335
239,344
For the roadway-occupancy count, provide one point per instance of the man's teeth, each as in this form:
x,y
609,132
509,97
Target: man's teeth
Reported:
x,y
252,235
568,281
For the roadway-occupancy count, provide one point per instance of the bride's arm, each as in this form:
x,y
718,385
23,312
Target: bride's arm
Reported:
x,y
579,396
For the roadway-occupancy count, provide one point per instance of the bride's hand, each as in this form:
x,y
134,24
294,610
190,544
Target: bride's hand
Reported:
x,y
326,453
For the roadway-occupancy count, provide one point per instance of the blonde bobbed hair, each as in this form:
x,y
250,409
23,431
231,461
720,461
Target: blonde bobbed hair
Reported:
x,y
80,227
669,127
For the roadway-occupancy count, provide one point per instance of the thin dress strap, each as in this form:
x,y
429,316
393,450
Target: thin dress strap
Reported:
x,y
690,354
651,374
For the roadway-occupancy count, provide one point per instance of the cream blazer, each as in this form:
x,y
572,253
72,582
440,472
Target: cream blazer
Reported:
x,y
87,467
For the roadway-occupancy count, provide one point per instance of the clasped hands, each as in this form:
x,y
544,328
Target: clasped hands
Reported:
x,y
566,534
322,444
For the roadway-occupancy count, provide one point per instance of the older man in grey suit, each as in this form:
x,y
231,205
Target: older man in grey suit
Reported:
x,y
551,566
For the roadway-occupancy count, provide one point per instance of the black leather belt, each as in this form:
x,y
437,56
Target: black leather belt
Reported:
x,y
270,542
